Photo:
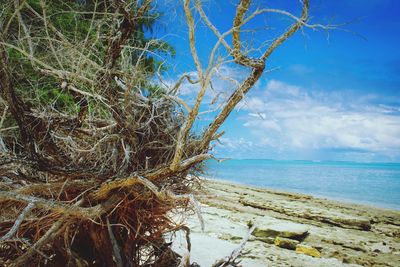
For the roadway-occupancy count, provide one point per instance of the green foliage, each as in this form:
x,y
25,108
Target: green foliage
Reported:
x,y
35,4
82,25
155,91
59,99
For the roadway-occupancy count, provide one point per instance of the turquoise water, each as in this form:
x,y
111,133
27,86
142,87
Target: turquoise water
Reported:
x,y
376,184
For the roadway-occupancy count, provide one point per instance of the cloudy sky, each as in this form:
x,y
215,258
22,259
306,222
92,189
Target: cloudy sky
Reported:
x,y
331,96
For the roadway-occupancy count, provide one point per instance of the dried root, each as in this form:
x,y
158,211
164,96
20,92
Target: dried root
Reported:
x,y
94,157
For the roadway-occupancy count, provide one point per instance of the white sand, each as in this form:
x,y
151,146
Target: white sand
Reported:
x,y
335,229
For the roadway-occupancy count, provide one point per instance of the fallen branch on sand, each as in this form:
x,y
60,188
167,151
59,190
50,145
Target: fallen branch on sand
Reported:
x,y
231,259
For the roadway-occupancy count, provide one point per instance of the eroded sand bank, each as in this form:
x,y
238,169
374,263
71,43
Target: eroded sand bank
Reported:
x,y
334,233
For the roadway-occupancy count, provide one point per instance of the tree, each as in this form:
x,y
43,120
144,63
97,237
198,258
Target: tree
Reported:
x,y
92,166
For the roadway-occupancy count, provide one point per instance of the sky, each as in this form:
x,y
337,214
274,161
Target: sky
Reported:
x,y
329,95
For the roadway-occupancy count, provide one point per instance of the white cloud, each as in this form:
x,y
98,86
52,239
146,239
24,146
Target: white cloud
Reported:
x,y
284,118
278,87
231,144
224,80
293,118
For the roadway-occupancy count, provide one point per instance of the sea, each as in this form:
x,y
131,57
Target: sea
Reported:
x,y
374,184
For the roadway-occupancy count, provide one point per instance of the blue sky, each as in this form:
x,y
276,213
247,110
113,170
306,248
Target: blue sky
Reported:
x,y
333,96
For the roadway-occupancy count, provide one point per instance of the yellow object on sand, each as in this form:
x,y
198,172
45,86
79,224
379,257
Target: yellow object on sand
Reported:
x,y
308,250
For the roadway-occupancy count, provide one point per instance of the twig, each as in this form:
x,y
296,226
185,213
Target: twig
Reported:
x,y
175,88
185,260
235,253
18,221
49,235
55,206
116,250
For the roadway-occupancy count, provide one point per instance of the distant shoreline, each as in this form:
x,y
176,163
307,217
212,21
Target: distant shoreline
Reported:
x,y
329,162
365,204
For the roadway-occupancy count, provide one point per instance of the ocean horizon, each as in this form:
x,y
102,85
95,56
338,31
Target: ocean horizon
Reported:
x,y
373,184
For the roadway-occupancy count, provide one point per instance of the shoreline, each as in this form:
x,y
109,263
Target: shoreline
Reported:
x,y
367,204
320,232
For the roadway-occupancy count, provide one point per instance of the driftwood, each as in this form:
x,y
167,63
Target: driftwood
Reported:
x,y
94,183
231,260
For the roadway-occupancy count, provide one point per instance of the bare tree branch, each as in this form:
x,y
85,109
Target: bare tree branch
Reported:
x,y
18,221
229,260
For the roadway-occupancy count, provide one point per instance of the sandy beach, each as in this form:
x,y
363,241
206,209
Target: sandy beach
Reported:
x,y
291,229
